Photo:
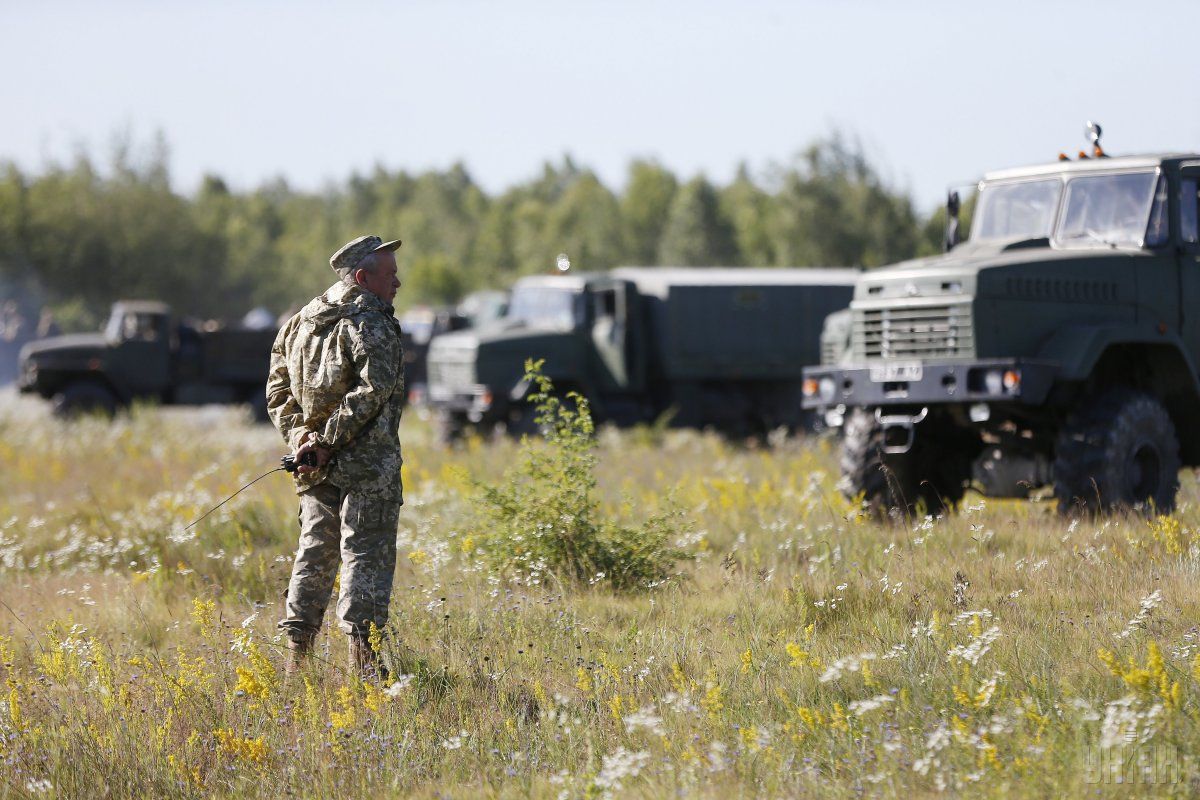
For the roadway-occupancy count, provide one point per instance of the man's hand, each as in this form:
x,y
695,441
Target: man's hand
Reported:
x,y
309,445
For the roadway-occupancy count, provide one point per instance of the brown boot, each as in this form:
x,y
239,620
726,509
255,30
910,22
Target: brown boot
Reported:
x,y
365,662
299,646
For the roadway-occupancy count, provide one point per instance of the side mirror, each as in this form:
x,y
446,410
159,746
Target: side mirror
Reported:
x,y
952,207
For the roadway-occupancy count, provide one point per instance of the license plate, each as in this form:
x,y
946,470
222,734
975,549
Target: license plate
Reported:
x,y
886,373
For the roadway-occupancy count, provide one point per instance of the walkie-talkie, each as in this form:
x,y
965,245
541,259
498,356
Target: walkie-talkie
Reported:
x,y
289,463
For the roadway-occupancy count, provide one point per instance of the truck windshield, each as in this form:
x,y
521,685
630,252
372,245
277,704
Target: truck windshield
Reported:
x,y
1023,210
132,326
1108,209
542,306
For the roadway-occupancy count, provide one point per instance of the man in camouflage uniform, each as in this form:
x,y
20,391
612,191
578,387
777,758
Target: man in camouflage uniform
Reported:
x,y
336,390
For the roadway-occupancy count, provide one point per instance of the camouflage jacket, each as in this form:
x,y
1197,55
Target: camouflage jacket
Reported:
x,y
337,369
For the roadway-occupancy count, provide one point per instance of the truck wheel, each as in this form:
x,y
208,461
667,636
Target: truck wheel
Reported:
x,y
447,428
522,421
929,472
258,408
1117,450
83,397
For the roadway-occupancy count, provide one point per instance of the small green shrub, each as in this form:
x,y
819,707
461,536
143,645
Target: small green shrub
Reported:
x,y
544,518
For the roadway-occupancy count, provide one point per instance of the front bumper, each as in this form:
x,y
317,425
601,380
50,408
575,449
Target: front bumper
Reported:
x,y
926,383
27,378
476,403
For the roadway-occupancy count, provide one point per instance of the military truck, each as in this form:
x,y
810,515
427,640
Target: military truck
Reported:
x,y
1057,346
144,352
713,347
421,324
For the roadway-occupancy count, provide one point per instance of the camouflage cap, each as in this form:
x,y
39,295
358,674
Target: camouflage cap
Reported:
x,y
346,259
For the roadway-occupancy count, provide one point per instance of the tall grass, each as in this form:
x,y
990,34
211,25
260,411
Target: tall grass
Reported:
x,y
807,650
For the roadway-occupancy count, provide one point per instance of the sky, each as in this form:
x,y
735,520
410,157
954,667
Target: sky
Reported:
x,y
937,93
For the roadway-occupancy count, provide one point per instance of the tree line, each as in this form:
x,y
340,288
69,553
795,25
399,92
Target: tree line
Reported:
x,y
80,235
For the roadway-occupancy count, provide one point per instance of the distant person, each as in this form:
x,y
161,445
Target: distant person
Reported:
x,y
336,390
47,326
11,321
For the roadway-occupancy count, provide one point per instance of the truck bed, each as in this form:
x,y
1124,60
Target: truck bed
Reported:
x,y
751,324
233,355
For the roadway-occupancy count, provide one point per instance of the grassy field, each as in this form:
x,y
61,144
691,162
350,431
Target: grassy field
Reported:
x,y
804,649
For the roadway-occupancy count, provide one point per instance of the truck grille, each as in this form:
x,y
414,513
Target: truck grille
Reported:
x,y
936,331
830,350
452,375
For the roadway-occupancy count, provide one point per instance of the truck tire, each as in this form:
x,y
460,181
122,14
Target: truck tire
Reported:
x,y
1117,450
258,408
929,474
84,397
522,421
448,427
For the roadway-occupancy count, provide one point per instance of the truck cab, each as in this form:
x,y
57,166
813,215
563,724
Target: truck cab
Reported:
x,y
144,352
1057,346
581,325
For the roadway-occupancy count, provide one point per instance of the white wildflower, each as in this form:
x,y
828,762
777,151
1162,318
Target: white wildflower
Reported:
x,y
848,664
398,686
679,703
922,629
455,742
934,744
645,718
1145,609
717,761
970,616
1086,712
976,648
860,708
1126,722
617,767
988,688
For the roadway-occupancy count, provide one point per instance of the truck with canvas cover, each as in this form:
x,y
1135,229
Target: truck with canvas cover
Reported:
x,y
1056,347
710,347
145,353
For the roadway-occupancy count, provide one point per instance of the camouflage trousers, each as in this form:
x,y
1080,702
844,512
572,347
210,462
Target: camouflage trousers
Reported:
x,y
358,531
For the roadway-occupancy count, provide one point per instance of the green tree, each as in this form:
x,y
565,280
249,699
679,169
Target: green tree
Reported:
x,y
747,206
644,210
585,223
833,209
697,233
433,279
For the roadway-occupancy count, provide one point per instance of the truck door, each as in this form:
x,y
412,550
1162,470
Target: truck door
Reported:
x,y
1189,256
142,360
613,340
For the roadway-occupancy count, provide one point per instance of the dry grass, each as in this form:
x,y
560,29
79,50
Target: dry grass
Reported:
x,y
806,651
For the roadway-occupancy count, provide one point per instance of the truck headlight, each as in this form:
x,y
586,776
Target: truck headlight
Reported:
x,y
1001,381
826,388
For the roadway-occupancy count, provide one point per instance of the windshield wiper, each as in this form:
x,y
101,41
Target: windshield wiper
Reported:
x,y
1088,233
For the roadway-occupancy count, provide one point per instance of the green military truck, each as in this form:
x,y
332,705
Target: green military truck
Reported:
x,y
144,352
1056,347
713,347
